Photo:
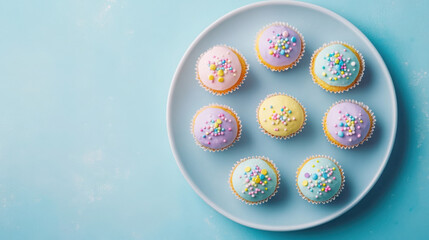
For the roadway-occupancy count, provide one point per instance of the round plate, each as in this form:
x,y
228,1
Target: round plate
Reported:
x,y
208,172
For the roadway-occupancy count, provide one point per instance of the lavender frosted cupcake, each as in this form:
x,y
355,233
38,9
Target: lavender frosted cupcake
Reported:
x,y
279,46
216,127
348,123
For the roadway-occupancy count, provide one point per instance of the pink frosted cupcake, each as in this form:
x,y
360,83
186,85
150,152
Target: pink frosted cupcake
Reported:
x,y
221,70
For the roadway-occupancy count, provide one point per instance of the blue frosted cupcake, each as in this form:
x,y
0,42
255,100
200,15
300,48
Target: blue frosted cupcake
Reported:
x,y
320,179
254,180
337,67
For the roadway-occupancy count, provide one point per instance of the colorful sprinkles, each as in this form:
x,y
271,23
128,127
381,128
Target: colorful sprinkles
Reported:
x,y
281,44
348,125
338,66
256,181
219,68
280,118
318,181
213,128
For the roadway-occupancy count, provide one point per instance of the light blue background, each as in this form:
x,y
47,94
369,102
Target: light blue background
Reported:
x,y
84,152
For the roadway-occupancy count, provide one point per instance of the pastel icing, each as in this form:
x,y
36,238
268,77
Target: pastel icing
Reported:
x,y
319,179
337,65
281,115
219,68
254,179
215,127
348,123
279,45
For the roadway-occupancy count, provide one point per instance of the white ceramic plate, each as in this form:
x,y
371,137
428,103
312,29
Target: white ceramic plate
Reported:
x,y
208,172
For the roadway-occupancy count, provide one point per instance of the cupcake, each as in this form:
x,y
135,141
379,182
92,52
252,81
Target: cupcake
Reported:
x,y
279,46
337,67
254,180
216,127
348,123
280,116
221,70
320,179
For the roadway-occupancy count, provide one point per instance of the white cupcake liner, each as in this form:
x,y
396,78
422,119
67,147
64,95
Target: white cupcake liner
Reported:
x,y
264,200
355,83
228,91
237,138
368,135
302,46
281,137
343,179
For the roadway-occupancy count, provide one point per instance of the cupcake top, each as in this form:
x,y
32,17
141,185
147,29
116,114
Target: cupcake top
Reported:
x,y
337,64
216,127
348,123
279,45
219,68
254,179
281,115
319,179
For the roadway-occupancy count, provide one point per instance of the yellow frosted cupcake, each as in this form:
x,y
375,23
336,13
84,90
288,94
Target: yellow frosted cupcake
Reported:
x,y
281,116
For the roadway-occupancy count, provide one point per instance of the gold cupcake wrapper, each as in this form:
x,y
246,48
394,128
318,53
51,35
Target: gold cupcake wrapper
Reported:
x,y
224,107
236,86
280,68
281,137
354,84
343,179
368,135
271,163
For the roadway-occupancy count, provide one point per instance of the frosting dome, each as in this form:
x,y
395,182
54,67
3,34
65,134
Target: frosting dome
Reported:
x,y
254,179
319,179
281,115
337,67
216,127
279,46
221,69
348,123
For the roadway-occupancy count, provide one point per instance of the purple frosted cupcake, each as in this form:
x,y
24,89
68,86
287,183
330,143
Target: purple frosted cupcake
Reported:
x,y
216,127
348,123
279,46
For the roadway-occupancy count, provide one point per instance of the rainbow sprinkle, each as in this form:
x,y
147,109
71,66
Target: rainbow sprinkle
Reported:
x,y
281,44
255,180
338,66
220,67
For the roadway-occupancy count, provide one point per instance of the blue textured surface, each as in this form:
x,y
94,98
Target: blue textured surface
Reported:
x,y
78,159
